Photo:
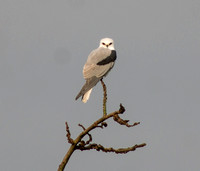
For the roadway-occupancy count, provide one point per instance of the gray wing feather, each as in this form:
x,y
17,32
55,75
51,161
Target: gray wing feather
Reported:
x,y
91,68
93,72
91,82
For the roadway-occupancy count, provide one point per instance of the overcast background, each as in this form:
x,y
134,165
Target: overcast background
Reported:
x,y
43,47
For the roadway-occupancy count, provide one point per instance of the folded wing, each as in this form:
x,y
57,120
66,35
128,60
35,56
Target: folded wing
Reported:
x,y
99,63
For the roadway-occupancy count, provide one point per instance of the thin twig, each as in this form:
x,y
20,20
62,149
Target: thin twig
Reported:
x,y
89,135
70,140
99,147
124,122
104,97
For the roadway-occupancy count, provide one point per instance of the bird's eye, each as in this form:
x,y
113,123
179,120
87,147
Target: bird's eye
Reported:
x,y
103,43
110,43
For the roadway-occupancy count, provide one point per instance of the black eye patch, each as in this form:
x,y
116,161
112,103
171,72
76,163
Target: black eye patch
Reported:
x,y
110,43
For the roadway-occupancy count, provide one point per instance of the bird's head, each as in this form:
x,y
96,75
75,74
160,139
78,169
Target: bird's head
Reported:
x,y
107,43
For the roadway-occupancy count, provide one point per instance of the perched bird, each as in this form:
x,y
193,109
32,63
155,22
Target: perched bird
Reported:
x,y
100,61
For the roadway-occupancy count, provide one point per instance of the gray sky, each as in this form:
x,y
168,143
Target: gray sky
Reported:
x,y
43,47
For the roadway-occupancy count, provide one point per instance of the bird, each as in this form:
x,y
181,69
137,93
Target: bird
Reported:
x,y
100,61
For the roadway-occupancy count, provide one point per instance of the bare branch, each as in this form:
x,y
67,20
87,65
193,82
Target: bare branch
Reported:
x,y
104,97
81,126
99,147
122,109
70,140
124,122
80,144
89,135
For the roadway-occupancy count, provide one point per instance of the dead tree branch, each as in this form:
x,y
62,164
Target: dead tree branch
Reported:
x,y
80,144
124,122
99,147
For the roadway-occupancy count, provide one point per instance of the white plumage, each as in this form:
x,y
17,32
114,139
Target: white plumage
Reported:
x,y
100,61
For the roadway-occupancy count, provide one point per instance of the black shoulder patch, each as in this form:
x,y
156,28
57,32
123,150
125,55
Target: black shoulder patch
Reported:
x,y
108,59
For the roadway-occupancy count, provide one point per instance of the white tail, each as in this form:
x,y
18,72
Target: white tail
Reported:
x,y
86,96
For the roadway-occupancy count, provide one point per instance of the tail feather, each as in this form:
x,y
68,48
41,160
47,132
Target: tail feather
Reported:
x,y
90,83
86,96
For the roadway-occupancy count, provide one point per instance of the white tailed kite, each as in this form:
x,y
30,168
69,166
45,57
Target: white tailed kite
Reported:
x,y
100,61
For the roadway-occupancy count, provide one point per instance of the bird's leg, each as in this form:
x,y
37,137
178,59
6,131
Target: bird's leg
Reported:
x,y
104,97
